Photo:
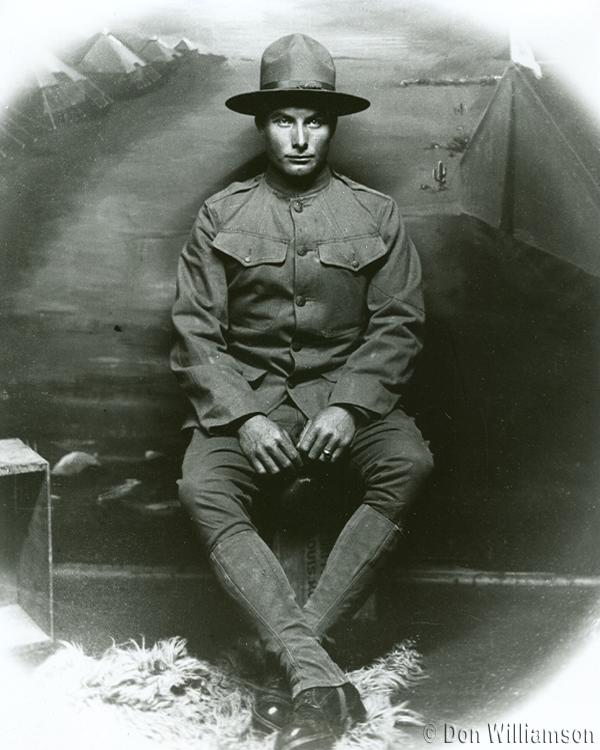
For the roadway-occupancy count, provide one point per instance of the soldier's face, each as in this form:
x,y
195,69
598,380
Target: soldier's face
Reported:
x,y
297,140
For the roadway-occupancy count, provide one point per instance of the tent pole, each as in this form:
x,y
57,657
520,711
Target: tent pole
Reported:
x,y
49,111
507,218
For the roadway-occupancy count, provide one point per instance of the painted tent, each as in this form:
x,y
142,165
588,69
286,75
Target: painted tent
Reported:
x,y
533,168
185,47
17,130
115,66
158,54
55,93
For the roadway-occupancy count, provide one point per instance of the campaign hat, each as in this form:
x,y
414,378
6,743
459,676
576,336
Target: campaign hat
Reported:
x,y
297,69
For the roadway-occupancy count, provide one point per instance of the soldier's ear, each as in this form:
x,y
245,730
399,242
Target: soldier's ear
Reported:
x,y
259,121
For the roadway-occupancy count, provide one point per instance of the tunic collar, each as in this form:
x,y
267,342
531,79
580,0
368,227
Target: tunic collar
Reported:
x,y
276,184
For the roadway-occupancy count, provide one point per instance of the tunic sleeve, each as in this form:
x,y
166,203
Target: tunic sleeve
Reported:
x,y
211,378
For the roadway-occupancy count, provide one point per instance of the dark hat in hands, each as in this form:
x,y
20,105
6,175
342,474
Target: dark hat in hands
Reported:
x,y
296,68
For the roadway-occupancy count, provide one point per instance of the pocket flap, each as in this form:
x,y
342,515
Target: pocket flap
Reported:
x,y
332,376
354,253
250,250
251,373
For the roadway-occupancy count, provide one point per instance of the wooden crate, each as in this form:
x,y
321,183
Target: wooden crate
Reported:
x,y
26,602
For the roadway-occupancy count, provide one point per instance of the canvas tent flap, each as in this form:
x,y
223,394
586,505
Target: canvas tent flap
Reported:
x,y
526,170
557,203
484,166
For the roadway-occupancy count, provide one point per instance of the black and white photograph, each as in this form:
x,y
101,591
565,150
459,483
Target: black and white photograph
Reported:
x,y
299,374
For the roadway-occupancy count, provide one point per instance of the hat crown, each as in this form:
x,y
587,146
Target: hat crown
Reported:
x,y
297,58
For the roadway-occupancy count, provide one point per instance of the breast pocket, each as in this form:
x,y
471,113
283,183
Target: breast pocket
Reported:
x,y
256,278
347,267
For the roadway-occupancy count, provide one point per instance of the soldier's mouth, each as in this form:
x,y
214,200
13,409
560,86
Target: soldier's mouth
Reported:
x,y
299,158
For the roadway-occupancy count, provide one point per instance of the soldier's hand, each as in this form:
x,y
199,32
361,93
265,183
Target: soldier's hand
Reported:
x,y
268,448
325,437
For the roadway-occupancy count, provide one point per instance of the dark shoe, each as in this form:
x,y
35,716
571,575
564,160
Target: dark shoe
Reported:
x,y
272,704
260,672
320,715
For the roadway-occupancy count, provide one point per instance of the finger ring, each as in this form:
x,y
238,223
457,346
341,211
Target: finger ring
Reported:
x,y
326,452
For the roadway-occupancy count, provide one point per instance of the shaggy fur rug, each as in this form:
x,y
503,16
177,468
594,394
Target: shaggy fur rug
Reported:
x,y
138,698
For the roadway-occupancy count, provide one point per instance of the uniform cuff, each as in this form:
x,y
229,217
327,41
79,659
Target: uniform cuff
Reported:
x,y
364,415
364,392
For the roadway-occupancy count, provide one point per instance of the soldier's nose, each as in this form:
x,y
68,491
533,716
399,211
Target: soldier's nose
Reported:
x,y
299,140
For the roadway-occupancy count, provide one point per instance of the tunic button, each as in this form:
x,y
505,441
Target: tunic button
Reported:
x,y
355,264
302,251
300,301
298,206
247,259
296,346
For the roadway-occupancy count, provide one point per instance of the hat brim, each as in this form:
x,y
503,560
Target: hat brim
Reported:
x,y
334,102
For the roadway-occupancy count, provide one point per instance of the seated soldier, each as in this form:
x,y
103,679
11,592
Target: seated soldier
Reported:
x,y
299,314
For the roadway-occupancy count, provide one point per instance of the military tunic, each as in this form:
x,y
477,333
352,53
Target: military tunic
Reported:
x,y
316,298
